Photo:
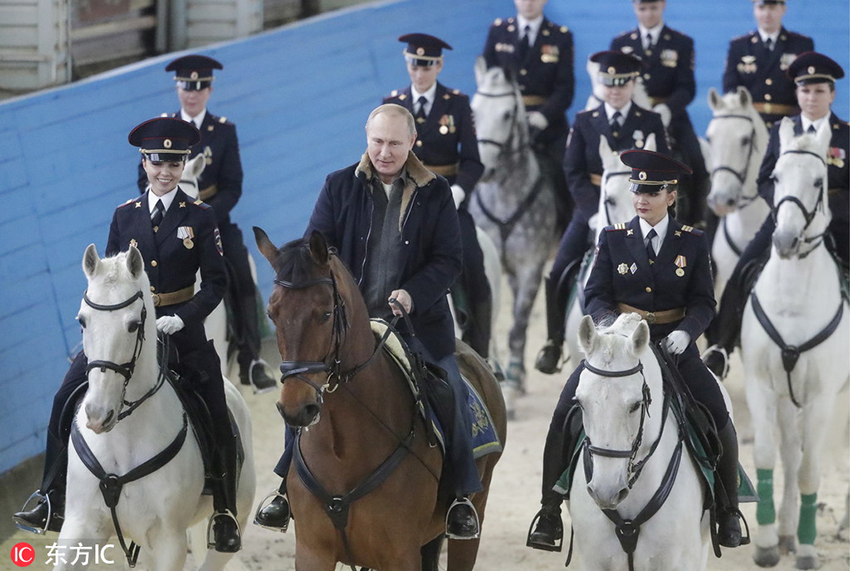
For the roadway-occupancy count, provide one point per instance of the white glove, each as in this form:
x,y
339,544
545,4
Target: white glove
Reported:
x,y
169,324
591,223
677,342
665,113
537,120
458,194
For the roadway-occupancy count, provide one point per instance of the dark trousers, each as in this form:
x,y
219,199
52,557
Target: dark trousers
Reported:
x,y
698,378
464,474
686,147
475,286
243,293
550,147
573,245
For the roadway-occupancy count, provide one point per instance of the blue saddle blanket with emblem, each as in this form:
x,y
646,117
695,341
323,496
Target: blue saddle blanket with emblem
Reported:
x,y
484,438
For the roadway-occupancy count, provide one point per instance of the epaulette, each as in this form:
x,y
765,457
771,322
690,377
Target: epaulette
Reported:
x,y
222,119
615,227
201,203
692,230
122,205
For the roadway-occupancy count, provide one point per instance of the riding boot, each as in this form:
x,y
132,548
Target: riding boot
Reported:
x,y
726,490
548,360
277,514
481,327
49,512
252,369
225,527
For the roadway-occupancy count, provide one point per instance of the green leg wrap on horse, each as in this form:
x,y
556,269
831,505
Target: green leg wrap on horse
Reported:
x,y
765,511
806,529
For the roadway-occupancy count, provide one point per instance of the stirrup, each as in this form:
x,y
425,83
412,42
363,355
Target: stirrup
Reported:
x,y
559,542
266,502
723,352
211,534
463,501
22,525
258,390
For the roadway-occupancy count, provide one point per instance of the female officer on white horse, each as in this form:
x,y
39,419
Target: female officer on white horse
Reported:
x,y
626,126
176,236
659,269
815,76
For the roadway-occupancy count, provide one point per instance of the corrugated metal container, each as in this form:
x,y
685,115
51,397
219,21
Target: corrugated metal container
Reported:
x,y
34,44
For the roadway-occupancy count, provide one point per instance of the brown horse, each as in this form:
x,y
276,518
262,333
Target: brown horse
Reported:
x,y
359,419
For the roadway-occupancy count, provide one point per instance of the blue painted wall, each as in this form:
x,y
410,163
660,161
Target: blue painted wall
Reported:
x,y
300,96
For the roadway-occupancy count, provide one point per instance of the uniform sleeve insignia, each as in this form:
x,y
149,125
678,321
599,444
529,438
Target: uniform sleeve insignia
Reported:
x,y
218,246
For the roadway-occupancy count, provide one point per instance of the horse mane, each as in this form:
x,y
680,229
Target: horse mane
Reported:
x,y
295,262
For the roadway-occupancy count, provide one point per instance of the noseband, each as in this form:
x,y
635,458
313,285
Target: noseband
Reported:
x,y
125,370
634,468
743,200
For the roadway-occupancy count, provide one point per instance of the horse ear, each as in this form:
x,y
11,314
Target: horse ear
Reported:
x,y
586,334
640,337
714,99
267,248
319,247
823,137
744,96
480,70
91,261
135,263
197,165
650,144
604,148
786,133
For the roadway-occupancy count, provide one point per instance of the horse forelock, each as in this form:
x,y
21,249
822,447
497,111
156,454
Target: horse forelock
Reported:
x,y
114,273
613,339
295,263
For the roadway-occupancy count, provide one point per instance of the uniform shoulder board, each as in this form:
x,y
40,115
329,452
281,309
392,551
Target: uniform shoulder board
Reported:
x,y
201,203
692,230
222,119
123,204
615,227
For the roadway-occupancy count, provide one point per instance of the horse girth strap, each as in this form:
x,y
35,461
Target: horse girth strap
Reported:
x,y
112,484
628,530
791,353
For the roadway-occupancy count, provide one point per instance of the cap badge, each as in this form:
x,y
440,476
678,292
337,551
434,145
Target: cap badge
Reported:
x,y
420,51
166,143
642,175
193,75
811,69
611,70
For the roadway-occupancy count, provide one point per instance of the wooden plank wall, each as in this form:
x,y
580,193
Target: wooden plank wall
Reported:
x,y
33,50
300,97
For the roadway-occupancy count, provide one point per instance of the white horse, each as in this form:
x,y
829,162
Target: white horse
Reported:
x,y
595,99
155,510
737,138
632,440
615,206
795,311
513,203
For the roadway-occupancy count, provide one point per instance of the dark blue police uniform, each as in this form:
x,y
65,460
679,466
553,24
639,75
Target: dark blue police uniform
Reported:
x,y
749,63
725,329
668,76
220,186
546,78
447,146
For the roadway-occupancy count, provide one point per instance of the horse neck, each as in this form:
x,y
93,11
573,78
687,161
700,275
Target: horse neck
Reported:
x,y
795,285
520,168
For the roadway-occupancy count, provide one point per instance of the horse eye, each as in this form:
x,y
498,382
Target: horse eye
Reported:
x,y
745,141
819,183
326,316
134,326
610,201
634,407
507,115
82,321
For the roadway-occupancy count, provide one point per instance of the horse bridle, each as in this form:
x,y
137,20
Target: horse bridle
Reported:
x,y
501,145
605,177
808,215
743,200
634,467
125,369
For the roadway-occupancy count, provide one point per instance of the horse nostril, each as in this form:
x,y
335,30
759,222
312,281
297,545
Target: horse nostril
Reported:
x,y
622,495
311,410
279,408
109,417
730,201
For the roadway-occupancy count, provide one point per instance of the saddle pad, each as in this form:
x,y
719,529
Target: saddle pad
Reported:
x,y
484,438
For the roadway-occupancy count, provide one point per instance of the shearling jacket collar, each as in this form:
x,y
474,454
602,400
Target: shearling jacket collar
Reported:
x,y
416,174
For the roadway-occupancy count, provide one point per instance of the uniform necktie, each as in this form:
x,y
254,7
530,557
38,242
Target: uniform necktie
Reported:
x,y
650,250
615,119
158,213
768,43
647,41
811,129
420,113
524,43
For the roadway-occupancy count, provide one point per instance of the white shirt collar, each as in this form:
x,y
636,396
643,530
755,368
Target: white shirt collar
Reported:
x,y
166,199
534,27
198,121
654,32
764,36
624,112
660,229
817,123
430,95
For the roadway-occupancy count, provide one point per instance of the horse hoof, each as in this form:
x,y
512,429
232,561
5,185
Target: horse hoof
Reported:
x,y
787,544
515,377
766,556
807,562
